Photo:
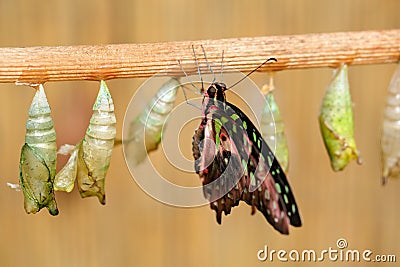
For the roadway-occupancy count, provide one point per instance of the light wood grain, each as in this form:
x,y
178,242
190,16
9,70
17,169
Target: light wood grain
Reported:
x,y
95,62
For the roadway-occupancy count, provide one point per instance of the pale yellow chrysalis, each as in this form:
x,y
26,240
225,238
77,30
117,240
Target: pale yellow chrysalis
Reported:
x,y
390,140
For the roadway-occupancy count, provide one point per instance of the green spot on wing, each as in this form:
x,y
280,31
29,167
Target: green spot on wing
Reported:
x,y
269,161
278,188
234,117
244,164
234,128
266,195
224,120
252,179
285,198
286,189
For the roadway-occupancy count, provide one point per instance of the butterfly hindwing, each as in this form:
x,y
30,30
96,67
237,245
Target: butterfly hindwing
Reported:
x,y
217,165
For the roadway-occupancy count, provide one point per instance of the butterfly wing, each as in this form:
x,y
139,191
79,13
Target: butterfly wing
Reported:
x,y
242,157
219,169
269,190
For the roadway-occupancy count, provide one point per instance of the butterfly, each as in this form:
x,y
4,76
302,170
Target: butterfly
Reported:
x,y
235,163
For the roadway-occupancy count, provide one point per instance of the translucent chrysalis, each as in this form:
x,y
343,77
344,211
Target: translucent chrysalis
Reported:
x,y
272,127
146,130
90,158
38,157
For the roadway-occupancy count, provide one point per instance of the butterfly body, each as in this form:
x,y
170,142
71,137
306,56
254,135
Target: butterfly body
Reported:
x,y
235,164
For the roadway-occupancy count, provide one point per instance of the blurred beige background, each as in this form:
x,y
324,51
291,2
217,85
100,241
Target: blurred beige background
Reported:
x,y
135,230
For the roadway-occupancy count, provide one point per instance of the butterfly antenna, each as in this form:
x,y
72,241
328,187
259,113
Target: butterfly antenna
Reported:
x,y
198,69
208,64
248,74
187,76
183,87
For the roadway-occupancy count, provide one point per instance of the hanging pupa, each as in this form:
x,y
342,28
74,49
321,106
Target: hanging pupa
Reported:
x,y
390,140
336,121
38,157
145,130
90,159
272,127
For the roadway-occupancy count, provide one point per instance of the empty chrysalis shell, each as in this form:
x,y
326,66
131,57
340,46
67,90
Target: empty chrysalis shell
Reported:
x,y
38,157
390,142
336,121
90,159
146,130
65,178
272,127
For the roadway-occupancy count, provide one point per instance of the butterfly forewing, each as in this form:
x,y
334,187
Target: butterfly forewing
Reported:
x,y
265,169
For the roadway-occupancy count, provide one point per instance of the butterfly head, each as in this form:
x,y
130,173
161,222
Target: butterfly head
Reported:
x,y
216,91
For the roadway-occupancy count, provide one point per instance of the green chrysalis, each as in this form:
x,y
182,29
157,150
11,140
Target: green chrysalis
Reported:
x,y
38,157
336,121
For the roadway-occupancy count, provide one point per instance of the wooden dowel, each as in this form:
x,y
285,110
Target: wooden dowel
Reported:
x,y
68,63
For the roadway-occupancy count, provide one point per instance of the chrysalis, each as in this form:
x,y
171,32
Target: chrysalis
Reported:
x,y
90,158
65,178
272,127
146,130
390,142
38,157
336,121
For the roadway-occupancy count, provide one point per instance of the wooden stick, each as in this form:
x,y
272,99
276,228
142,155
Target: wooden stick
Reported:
x,y
42,64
